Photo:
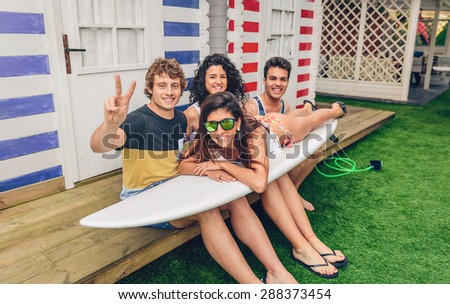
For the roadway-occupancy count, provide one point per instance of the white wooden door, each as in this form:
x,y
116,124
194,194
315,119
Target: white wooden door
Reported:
x,y
119,38
279,37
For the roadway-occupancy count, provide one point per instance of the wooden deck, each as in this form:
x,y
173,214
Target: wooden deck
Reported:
x,y
42,242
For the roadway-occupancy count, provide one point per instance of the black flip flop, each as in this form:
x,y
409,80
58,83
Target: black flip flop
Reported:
x,y
313,106
309,267
337,264
333,137
343,107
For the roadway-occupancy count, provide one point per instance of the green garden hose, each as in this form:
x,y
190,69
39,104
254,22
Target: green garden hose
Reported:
x,y
345,166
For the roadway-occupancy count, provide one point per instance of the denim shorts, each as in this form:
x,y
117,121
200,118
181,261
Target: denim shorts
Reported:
x,y
126,193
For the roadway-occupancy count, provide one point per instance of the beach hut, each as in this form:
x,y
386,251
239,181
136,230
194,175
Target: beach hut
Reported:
x,y
58,58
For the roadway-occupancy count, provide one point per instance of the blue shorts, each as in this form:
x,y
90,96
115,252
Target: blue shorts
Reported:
x,y
129,193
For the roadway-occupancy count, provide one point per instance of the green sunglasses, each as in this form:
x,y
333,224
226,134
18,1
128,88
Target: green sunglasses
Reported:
x,y
226,124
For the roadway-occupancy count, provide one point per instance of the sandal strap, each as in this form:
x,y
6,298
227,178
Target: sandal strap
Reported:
x,y
320,265
328,254
343,107
313,106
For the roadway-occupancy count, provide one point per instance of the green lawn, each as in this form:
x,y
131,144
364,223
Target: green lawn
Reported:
x,y
392,224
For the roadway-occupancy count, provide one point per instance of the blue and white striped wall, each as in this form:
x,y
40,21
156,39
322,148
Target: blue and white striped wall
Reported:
x,y
186,35
29,143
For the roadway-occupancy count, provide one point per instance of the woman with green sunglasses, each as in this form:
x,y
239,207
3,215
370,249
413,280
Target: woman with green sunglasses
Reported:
x,y
226,136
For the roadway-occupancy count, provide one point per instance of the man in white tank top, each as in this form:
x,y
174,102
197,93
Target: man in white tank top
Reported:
x,y
277,71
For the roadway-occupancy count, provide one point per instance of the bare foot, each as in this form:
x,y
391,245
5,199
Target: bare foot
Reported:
x,y
321,248
310,256
306,204
280,277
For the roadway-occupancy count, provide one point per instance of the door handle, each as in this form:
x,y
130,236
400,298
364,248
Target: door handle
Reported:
x,y
74,50
67,50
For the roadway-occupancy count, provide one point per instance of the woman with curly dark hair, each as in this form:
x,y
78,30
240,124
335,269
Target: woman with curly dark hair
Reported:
x,y
215,74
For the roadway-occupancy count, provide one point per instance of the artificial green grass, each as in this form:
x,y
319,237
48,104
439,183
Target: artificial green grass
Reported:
x,y
392,224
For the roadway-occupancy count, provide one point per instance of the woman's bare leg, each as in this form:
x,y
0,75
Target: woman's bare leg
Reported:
x,y
299,173
307,168
221,245
278,210
302,221
293,174
302,126
305,111
250,231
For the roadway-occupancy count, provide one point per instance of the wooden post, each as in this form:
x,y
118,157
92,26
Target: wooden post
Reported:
x,y
409,50
359,52
437,10
447,41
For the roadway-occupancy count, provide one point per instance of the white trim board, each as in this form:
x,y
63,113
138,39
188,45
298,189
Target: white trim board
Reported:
x,y
14,167
21,6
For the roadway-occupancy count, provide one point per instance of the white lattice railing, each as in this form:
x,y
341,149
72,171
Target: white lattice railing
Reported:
x,y
364,40
341,67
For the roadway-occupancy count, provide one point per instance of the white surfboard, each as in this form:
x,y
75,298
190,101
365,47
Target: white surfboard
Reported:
x,y
186,195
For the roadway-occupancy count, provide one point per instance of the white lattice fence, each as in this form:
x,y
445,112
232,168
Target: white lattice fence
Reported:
x,y
364,40
339,39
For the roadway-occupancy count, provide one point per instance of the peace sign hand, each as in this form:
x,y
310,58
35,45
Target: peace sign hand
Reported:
x,y
116,107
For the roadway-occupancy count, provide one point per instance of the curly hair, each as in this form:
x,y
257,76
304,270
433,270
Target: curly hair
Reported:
x,y
277,62
161,66
235,82
205,146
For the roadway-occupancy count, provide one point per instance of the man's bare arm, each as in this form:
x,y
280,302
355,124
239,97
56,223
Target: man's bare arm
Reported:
x,y
108,136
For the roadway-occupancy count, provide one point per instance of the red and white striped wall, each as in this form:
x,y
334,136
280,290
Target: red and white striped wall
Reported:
x,y
306,73
243,40
244,48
